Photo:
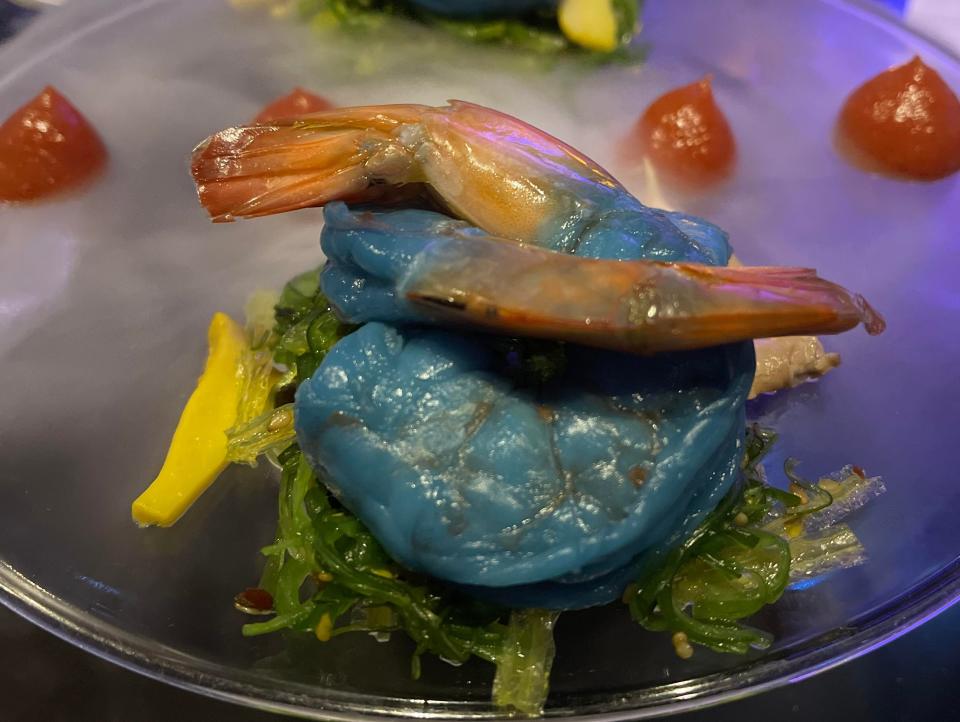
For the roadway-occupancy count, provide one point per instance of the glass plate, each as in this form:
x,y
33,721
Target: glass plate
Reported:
x,y
105,296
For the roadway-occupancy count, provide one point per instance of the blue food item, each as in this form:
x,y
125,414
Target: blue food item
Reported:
x,y
550,495
482,8
464,477
375,255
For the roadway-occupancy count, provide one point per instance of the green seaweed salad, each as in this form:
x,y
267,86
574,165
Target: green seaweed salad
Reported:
x,y
326,575
540,31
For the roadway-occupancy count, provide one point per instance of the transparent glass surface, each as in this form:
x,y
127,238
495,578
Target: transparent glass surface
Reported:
x,y
105,297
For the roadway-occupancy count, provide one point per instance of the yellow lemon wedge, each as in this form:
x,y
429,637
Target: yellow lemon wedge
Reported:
x,y
591,24
198,451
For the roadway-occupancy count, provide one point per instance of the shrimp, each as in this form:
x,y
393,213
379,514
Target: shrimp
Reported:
x,y
490,169
521,186
453,275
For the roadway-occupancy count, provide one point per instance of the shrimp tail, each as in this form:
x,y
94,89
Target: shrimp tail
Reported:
x,y
794,289
350,154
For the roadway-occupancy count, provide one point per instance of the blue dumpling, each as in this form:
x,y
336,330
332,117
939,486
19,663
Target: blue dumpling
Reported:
x,y
533,497
463,476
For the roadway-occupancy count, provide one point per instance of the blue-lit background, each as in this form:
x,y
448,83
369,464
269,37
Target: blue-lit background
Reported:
x,y
897,5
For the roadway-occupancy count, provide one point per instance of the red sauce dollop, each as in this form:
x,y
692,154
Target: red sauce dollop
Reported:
x,y
904,122
297,102
47,147
686,137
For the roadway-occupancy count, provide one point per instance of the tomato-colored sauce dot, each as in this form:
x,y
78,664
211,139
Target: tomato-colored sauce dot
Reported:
x,y
254,601
47,147
686,136
905,122
297,102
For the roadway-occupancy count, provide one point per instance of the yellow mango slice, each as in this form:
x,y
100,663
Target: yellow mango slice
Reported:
x,y
591,24
198,451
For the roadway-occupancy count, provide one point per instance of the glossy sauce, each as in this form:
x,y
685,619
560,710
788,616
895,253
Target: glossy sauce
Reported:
x,y
47,147
297,102
904,122
686,136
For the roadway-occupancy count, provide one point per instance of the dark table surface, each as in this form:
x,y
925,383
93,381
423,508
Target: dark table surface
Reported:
x,y
915,678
